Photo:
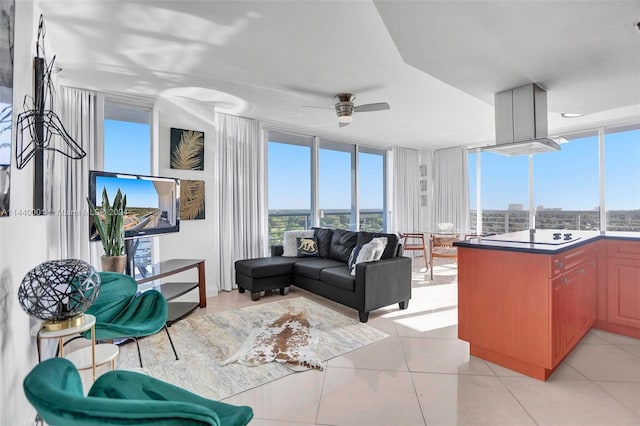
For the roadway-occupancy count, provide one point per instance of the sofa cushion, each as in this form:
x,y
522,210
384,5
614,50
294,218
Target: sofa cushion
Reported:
x,y
342,243
338,277
265,266
307,247
290,246
392,242
324,240
311,268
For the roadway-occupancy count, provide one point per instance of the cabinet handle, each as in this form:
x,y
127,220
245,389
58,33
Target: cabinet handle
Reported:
x,y
581,271
564,280
559,263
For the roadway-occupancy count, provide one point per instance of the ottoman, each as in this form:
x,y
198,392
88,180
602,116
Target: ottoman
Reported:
x,y
266,273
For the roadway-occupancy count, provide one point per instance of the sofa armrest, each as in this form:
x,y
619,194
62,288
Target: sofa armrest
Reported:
x,y
277,250
384,282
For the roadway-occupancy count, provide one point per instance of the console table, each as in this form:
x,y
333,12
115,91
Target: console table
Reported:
x,y
173,290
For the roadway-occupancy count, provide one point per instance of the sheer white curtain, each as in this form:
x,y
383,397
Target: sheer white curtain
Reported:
x,y
406,190
242,193
451,188
67,180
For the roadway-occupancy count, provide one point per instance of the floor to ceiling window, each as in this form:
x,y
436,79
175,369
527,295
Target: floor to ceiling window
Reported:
x,y
289,183
566,185
504,193
371,189
473,193
318,182
622,179
127,149
335,185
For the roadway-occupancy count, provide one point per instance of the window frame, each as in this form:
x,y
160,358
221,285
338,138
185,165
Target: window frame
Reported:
x,y
139,103
316,143
601,133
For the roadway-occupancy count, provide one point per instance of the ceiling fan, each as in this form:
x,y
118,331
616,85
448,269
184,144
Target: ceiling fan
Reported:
x,y
345,108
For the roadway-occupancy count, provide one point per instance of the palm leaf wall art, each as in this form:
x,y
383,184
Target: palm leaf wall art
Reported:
x,y
191,199
187,149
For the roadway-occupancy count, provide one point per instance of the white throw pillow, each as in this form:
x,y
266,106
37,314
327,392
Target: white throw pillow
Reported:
x,y
290,245
369,252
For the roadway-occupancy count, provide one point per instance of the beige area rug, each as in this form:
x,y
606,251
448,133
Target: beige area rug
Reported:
x,y
205,342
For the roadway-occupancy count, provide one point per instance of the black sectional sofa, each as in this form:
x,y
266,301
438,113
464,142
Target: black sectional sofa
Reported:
x,y
376,284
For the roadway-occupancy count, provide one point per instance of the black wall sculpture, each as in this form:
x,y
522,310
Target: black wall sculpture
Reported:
x,y
39,128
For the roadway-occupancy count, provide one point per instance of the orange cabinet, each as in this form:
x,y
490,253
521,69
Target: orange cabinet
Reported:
x,y
525,311
623,285
572,307
619,288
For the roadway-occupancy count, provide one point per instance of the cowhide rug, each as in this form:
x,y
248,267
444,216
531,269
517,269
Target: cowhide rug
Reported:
x,y
290,339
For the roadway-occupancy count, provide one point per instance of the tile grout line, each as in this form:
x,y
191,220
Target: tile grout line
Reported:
x,y
517,400
415,390
324,378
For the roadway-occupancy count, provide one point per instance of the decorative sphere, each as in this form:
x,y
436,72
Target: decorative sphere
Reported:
x,y
58,290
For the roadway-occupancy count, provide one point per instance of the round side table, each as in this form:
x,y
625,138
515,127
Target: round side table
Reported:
x,y
88,324
105,352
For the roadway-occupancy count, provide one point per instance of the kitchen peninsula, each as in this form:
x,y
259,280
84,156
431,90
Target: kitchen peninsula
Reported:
x,y
525,299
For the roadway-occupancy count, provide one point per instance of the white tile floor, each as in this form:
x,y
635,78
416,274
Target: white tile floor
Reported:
x,y
422,374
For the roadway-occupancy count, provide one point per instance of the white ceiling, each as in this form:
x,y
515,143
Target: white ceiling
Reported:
x,y
437,63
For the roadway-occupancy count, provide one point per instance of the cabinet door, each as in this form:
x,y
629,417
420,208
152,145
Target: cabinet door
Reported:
x,y
565,317
623,285
558,319
588,276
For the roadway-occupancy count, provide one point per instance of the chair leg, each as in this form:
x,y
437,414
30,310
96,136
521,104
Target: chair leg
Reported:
x,y
171,341
139,356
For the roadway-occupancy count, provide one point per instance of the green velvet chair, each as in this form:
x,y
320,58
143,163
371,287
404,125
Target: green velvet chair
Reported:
x,y
123,313
120,397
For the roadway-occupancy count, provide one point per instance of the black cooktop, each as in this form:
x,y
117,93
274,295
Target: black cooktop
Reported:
x,y
539,236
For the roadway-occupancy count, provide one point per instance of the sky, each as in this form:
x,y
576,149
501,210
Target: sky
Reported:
x,y
127,147
568,179
290,178
128,150
140,193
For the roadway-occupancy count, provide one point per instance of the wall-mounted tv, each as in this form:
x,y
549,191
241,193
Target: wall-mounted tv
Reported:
x,y
153,203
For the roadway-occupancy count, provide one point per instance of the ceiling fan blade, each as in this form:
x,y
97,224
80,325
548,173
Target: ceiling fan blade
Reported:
x,y
340,124
316,107
379,106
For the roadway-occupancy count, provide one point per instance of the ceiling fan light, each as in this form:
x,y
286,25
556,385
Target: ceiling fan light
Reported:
x,y
345,118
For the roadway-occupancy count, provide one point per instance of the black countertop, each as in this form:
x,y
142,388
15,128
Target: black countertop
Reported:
x,y
542,241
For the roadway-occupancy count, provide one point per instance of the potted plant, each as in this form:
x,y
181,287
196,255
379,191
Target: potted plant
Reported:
x,y
109,222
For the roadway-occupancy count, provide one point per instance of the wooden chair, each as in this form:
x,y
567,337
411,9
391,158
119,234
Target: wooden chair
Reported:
x,y
412,241
441,246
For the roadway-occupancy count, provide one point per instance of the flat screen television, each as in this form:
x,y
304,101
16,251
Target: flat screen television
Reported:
x,y
153,203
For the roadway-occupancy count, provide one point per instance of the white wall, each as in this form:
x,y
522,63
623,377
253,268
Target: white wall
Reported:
x,y
24,243
197,239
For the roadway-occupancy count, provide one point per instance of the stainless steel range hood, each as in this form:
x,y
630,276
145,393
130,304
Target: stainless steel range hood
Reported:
x,y
521,122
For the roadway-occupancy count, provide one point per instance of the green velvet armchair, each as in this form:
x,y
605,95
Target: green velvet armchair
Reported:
x,y
122,313
120,397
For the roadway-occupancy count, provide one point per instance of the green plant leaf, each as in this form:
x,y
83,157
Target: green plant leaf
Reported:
x,y
111,228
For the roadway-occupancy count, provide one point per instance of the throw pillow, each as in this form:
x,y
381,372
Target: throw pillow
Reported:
x,y
290,246
369,252
353,257
307,247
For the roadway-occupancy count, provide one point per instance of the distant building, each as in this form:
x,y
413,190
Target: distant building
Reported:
x,y
515,206
548,209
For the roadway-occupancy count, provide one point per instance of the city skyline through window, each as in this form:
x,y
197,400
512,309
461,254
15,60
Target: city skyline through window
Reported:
x,y
292,178
565,185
